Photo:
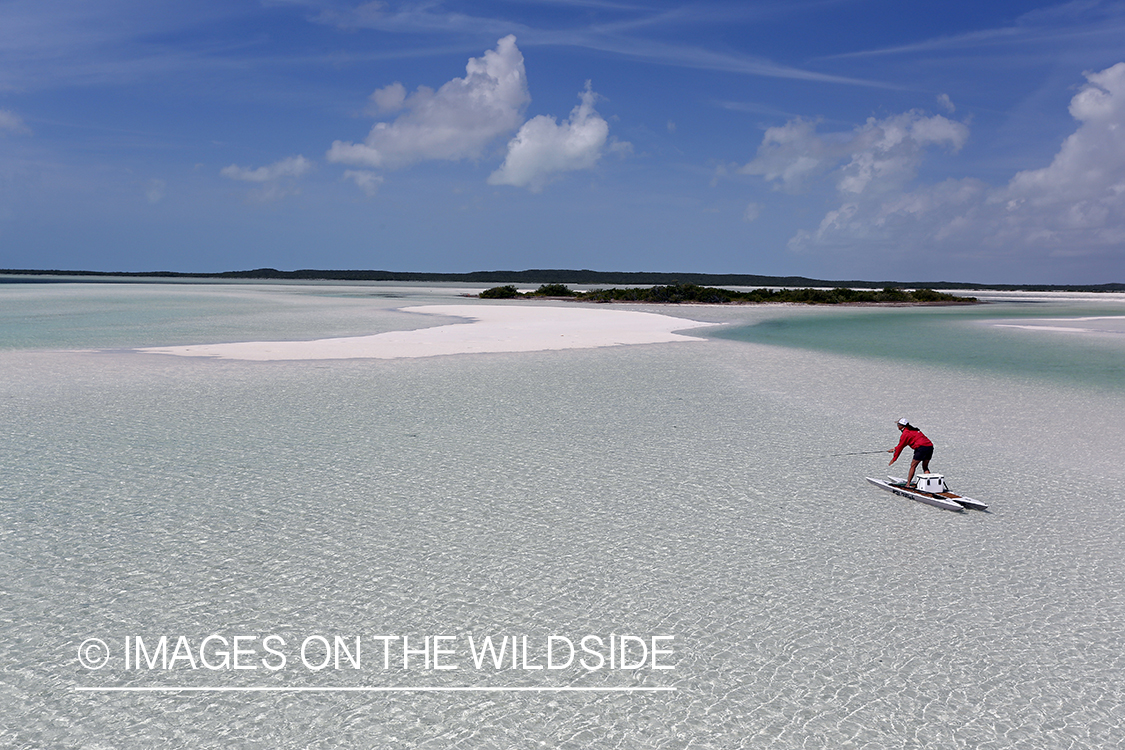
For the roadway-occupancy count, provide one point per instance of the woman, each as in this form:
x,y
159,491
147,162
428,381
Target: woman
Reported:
x,y
923,448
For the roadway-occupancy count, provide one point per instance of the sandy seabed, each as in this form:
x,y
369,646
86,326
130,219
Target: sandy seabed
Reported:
x,y
643,490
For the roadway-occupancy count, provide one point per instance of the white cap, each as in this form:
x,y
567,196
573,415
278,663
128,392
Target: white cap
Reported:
x,y
903,421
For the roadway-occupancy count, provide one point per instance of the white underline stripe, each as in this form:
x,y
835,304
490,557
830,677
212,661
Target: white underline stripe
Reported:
x,y
469,689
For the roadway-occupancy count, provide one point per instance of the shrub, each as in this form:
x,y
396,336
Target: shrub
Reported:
x,y
554,290
501,292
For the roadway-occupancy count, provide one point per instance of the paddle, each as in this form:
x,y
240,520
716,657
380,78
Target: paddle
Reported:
x,y
859,453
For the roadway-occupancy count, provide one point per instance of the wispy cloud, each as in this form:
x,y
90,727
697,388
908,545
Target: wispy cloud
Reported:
x,y
756,108
294,166
10,122
613,37
968,40
366,181
599,4
686,56
1068,23
275,181
155,190
51,43
55,43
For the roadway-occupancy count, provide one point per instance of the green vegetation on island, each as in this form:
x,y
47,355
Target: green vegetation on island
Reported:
x,y
713,295
509,291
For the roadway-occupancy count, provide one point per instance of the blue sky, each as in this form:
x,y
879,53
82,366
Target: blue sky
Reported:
x,y
839,139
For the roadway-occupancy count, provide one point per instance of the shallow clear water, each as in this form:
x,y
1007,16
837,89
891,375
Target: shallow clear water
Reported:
x,y
684,489
73,316
959,338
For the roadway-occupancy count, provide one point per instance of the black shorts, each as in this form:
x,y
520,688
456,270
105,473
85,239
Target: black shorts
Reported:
x,y
924,453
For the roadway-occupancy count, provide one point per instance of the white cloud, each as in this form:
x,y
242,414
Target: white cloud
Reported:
x,y
880,154
458,121
946,103
390,98
276,180
890,150
1083,189
368,182
940,212
543,148
792,154
752,212
1074,206
12,123
294,166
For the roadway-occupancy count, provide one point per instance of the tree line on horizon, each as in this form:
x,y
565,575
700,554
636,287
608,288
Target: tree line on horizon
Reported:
x,y
675,293
558,276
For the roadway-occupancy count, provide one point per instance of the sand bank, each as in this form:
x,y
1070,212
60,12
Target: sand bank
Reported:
x,y
1094,324
489,329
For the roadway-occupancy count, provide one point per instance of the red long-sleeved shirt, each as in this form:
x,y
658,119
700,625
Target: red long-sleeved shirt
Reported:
x,y
913,438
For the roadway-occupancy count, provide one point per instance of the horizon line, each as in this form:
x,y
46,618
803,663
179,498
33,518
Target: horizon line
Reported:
x,y
574,276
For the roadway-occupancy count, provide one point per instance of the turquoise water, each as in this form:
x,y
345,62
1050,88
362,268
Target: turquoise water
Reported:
x,y
958,338
77,316
685,489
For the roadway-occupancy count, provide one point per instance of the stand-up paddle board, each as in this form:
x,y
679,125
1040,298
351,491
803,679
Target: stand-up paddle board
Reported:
x,y
930,489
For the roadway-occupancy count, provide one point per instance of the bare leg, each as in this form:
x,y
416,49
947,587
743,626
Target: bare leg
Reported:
x,y
926,466
913,466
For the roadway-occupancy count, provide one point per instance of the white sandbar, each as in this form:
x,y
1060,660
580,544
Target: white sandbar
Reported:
x,y
1094,324
491,329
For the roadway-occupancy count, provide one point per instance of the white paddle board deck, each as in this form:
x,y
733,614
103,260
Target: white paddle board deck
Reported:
x,y
922,497
965,502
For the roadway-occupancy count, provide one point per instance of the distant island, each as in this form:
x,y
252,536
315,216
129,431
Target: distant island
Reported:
x,y
584,277
678,293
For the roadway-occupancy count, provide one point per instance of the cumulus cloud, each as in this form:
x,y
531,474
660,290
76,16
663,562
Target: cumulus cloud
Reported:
x,y
389,98
1074,206
1082,191
276,180
792,154
368,182
543,147
877,156
458,121
938,212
